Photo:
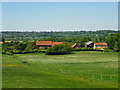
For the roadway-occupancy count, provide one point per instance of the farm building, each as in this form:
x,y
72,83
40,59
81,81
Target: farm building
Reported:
x,y
44,44
89,44
100,45
56,43
75,46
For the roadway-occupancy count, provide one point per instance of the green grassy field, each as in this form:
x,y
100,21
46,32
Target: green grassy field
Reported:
x,y
43,71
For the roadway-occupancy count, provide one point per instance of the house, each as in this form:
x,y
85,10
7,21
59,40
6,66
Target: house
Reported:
x,y
44,44
56,43
89,44
100,45
75,46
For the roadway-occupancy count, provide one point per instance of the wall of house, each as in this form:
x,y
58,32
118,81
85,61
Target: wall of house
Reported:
x,y
94,46
100,46
43,46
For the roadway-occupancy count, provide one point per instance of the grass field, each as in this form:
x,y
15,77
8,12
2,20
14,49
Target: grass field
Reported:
x,y
43,71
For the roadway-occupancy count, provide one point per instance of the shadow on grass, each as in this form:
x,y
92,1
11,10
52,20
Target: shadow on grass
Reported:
x,y
40,52
62,54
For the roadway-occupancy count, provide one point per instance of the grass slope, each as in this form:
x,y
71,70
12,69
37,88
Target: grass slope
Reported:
x,y
43,71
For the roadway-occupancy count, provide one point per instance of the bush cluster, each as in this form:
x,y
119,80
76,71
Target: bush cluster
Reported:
x,y
19,48
91,49
59,49
108,50
87,49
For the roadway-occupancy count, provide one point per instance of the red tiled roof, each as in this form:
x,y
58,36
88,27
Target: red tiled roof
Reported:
x,y
1,42
74,45
100,43
43,42
56,43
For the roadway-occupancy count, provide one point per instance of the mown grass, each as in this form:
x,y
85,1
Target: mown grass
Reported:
x,y
43,71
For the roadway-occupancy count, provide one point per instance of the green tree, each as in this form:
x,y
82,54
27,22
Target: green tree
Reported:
x,y
28,49
113,40
3,40
59,49
22,46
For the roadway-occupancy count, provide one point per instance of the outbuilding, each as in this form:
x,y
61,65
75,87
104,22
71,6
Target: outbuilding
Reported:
x,y
89,44
75,46
100,45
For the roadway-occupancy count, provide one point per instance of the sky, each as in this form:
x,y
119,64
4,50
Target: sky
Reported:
x,y
59,16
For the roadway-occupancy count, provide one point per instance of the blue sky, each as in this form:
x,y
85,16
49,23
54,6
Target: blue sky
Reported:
x,y
42,16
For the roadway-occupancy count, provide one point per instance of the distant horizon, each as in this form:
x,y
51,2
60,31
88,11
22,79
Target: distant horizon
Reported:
x,y
52,30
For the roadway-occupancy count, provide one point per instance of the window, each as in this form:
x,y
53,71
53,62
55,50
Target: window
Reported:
x,y
97,45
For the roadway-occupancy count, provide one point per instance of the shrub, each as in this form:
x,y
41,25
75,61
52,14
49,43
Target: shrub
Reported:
x,y
3,51
28,49
108,50
87,49
97,49
41,48
18,48
17,51
7,50
9,53
35,50
22,46
45,47
59,49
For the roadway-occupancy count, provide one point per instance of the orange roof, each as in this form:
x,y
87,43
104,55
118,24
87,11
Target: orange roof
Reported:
x,y
1,42
43,42
56,43
100,43
74,45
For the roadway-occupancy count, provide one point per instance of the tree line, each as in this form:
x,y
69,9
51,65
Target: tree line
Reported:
x,y
31,36
16,47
